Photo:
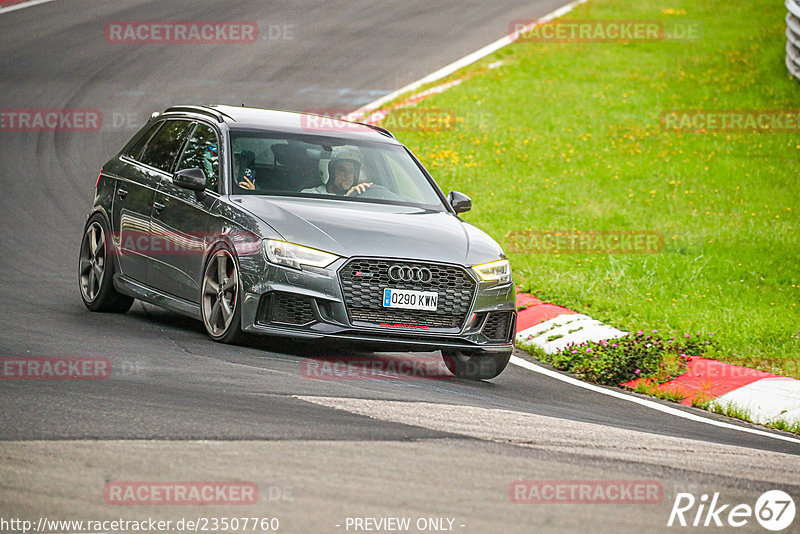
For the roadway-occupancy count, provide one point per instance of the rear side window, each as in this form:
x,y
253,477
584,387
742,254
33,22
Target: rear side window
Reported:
x,y
164,146
202,152
136,149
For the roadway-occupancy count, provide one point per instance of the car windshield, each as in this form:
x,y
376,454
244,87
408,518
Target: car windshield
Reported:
x,y
269,163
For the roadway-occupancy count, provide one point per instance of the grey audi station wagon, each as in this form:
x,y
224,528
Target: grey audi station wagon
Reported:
x,y
290,224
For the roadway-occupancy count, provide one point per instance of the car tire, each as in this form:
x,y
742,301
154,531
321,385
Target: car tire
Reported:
x,y
475,365
96,270
220,297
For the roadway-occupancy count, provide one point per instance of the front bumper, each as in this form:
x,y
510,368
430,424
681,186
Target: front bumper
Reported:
x,y
311,304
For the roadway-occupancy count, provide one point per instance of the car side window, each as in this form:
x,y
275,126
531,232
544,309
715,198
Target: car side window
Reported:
x,y
202,152
136,150
163,147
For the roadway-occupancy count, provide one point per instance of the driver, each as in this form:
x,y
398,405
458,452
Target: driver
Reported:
x,y
344,170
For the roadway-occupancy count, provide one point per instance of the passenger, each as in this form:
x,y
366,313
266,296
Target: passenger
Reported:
x,y
243,175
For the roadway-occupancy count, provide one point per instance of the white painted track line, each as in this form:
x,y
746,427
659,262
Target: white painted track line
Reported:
x,y
23,5
644,402
458,64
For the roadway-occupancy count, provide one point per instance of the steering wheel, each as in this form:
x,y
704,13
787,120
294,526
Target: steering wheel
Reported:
x,y
377,192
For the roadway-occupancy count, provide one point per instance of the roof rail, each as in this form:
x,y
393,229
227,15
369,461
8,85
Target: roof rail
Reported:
x,y
203,110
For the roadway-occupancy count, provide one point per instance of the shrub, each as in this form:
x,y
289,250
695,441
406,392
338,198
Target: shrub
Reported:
x,y
637,355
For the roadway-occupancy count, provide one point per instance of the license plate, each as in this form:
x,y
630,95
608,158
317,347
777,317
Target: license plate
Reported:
x,y
410,300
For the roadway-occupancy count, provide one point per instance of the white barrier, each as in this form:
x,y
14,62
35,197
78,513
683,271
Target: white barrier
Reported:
x,y
793,37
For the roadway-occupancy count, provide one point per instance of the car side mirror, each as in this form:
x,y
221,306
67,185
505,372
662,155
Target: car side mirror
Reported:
x,y
460,202
193,179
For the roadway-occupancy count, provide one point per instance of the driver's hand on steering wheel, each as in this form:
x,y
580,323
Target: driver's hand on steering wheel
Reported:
x,y
358,189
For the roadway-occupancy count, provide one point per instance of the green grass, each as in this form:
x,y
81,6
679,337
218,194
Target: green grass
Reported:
x,y
731,410
674,394
738,412
567,136
702,401
785,426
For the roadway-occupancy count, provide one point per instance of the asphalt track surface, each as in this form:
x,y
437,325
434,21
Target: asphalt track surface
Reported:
x,y
179,391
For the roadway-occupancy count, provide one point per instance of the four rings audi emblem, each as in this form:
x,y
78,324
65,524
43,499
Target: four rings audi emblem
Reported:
x,y
404,273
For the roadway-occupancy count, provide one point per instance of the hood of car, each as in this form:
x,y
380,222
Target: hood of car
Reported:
x,y
349,228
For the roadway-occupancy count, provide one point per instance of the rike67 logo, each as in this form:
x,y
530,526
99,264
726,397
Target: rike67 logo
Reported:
x,y
774,510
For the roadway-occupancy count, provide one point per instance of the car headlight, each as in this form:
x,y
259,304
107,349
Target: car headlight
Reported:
x,y
295,256
495,271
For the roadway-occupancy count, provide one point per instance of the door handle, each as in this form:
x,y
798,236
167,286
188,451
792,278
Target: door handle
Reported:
x,y
122,192
158,206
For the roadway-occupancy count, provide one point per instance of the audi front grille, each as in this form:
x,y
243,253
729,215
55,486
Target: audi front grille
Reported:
x,y
363,282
